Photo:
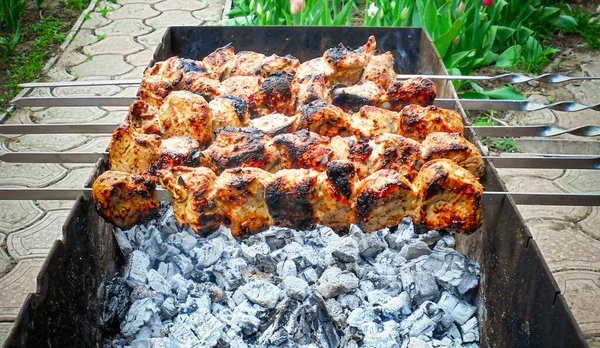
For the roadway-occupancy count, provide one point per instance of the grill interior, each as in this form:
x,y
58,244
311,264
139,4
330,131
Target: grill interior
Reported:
x,y
521,304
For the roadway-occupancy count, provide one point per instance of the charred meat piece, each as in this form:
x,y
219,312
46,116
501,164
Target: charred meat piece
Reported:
x,y
391,151
200,83
348,64
304,149
325,119
240,194
274,95
274,124
241,147
291,196
358,151
383,199
418,90
143,118
276,64
228,111
246,63
371,120
455,147
159,80
217,63
241,86
185,113
123,198
418,121
449,197
352,98
309,90
193,197
380,70
179,151
316,67
335,188
131,151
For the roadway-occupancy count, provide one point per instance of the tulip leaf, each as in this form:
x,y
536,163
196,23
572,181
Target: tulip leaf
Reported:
x,y
510,57
501,93
443,42
564,22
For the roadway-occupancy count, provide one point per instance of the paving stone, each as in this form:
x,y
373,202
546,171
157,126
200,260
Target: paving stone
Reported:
x,y
529,183
128,27
102,65
37,239
46,142
533,118
125,2
128,92
114,45
30,174
67,115
564,246
112,5
5,331
582,292
591,224
135,73
211,13
580,180
70,58
15,286
141,58
57,73
184,5
133,11
55,205
96,144
114,116
95,21
170,18
15,215
84,37
151,39
5,261
550,174
76,178
86,90
19,116
559,212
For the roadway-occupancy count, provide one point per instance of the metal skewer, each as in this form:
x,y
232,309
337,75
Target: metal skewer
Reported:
x,y
525,198
539,162
482,131
468,104
507,78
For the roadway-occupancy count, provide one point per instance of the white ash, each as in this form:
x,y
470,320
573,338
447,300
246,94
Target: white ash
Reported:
x,y
314,288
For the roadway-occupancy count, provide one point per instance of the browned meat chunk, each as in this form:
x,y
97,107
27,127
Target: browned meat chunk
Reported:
x,y
218,62
335,188
455,147
418,90
348,64
291,196
325,119
143,118
274,95
246,63
228,111
274,124
352,98
380,70
275,64
185,113
391,151
179,151
241,86
304,149
371,120
418,121
133,152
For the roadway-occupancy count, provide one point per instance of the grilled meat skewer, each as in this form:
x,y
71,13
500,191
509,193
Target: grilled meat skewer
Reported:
x,y
249,200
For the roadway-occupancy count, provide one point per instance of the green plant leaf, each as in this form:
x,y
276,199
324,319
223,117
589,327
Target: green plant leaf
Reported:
x,y
510,57
341,17
443,42
430,17
503,34
501,93
564,22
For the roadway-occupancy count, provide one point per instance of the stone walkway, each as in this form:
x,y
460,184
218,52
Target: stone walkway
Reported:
x,y
120,45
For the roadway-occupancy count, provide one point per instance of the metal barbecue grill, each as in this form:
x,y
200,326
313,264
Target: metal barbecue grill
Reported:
x,y
521,305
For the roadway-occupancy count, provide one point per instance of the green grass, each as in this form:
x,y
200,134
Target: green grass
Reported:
x,y
105,10
100,37
27,67
588,26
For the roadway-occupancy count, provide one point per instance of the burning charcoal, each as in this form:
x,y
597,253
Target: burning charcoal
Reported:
x,y
386,335
262,293
334,282
184,264
377,297
250,252
463,312
167,223
116,304
335,310
287,268
204,326
209,253
137,269
246,323
446,241
414,342
155,342
420,286
389,262
284,325
183,241
361,316
296,288
168,308
429,237
397,307
139,314
326,333
459,272
344,250
140,292
414,249
310,275
447,303
369,244
158,283
349,301
123,241
454,334
229,273
276,237
422,321
470,331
